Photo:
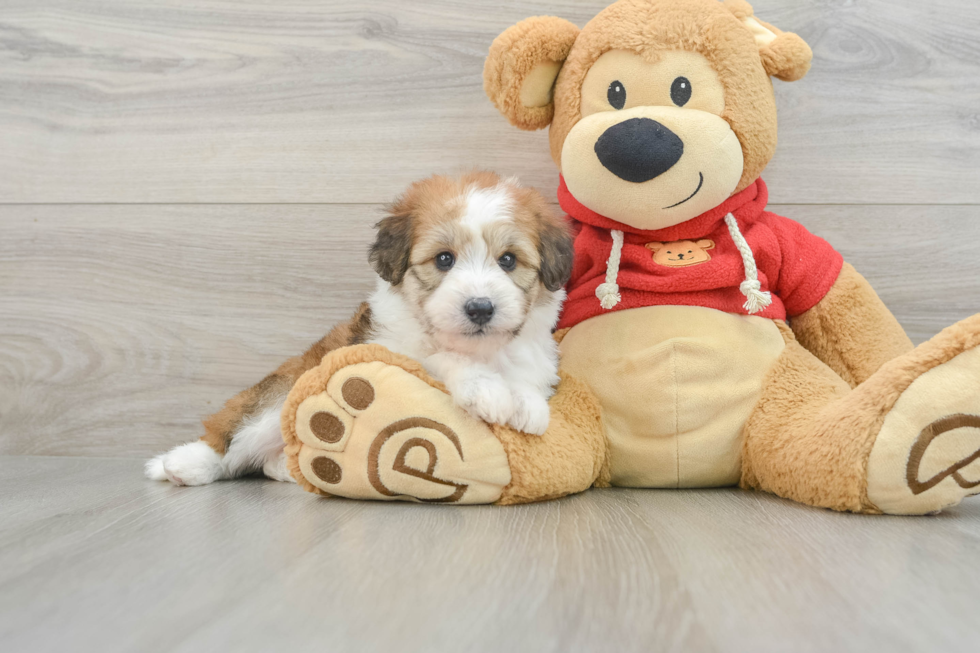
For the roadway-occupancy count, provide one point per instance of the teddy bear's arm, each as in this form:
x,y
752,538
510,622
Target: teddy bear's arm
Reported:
x,y
851,329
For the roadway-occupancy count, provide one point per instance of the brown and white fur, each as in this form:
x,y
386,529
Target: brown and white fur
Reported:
x,y
501,367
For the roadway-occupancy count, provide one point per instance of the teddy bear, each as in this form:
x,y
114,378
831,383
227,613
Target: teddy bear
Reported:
x,y
705,341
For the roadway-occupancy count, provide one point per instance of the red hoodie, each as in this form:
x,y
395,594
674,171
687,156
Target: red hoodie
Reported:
x,y
797,267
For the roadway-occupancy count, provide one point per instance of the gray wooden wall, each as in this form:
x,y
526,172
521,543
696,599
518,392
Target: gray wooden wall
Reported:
x,y
187,189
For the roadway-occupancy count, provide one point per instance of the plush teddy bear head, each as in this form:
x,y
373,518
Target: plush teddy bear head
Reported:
x,y
659,109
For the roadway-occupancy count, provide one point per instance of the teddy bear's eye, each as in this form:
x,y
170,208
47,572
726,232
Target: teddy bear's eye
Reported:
x,y
680,91
616,95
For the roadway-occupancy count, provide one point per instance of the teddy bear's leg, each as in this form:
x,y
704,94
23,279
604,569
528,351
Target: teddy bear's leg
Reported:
x,y
570,457
370,424
905,441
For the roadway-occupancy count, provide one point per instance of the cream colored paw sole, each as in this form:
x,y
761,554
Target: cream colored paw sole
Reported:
x,y
378,432
927,455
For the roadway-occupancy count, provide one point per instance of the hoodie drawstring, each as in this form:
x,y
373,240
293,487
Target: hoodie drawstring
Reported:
x,y
755,300
608,293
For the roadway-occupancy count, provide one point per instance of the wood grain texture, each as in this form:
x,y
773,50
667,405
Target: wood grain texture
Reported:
x,y
123,326
333,101
253,142
95,558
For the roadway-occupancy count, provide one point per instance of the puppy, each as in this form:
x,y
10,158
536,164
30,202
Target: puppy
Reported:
x,y
471,271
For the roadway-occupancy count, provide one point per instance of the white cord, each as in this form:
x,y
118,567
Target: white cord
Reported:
x,y
608,293
755,299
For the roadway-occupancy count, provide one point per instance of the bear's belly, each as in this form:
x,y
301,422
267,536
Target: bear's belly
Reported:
x,y
676,385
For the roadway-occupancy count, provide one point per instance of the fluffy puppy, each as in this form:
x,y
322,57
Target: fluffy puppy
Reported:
x,y
471,271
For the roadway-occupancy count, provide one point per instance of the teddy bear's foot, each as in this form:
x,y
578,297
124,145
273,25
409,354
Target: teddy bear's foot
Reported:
x,y
926,455
374,429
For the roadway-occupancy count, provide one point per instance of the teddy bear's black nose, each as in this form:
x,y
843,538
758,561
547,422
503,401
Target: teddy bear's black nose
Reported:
x,y
639,149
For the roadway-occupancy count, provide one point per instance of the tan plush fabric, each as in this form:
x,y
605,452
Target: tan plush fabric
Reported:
x,y
784,450
947,467
647,27
851,330
741,9
784,55
787,58
570,457
810,436
536,91
315,380
712,163
676,385
378,432
513,58
420,462
821,414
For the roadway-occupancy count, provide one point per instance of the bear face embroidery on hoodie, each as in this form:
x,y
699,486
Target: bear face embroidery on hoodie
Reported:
x,y
681,253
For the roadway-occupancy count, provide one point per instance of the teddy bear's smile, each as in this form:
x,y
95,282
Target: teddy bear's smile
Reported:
x,y
640,149
691,196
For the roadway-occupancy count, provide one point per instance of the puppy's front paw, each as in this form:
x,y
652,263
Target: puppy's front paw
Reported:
x,y
485,397
531,413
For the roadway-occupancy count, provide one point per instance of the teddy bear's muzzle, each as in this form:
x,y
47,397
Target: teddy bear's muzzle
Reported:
x,y
639,149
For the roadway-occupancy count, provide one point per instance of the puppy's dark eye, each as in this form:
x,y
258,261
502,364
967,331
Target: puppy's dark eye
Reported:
x,y
680,91
616,95
508,262
445,261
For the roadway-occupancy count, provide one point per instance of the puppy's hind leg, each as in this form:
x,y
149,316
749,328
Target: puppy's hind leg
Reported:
x,y
194,463
238,440
258,445
243,437
277,469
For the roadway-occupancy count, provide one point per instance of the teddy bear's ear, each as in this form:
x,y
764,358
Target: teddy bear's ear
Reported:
x,y
706,244
784,55
521,69
654,247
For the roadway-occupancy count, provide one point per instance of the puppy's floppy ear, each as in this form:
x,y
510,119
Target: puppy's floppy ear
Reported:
x,y
784,55
392,249
521,69
557,252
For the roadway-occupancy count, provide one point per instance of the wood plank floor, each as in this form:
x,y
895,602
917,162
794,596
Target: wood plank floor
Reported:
x,y
124,325
186,196
187,189
95,558
338,101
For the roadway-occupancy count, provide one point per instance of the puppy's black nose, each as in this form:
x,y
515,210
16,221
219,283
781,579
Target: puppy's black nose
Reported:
x,y
639,149
479,310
